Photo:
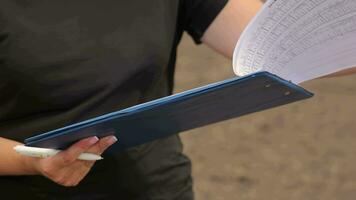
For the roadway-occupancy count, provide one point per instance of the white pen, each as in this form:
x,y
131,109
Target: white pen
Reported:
x,y
44,153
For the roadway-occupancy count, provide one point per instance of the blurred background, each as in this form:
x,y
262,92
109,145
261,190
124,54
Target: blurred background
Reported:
x,y
301,151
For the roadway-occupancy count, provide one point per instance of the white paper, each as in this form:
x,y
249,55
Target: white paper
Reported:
x,y
299,40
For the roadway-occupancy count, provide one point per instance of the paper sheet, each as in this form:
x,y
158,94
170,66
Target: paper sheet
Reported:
x,y
299,40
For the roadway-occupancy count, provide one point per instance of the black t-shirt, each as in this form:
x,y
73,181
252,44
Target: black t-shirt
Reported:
x,y
65,61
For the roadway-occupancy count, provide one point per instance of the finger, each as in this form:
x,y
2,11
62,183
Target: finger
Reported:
x,y
102,145
72,153
77,173
80,175
65,179
87,163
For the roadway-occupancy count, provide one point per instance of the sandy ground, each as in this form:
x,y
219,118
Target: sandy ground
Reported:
x,y
301,151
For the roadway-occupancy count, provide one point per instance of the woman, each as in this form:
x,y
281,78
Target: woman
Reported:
x,y
62,62
66,61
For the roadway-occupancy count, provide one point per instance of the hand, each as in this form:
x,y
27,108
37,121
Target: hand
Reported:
x,y
64,168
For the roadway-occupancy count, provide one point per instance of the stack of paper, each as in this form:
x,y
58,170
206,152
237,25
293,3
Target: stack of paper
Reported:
x,y
299,40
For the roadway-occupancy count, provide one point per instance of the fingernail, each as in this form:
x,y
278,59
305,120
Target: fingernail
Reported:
x,y
93,140
112,140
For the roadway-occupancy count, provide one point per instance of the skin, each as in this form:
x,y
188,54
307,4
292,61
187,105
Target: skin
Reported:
x,y
223,33
65,169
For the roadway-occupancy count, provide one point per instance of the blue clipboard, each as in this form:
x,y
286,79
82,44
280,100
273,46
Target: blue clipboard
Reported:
x,y
180,112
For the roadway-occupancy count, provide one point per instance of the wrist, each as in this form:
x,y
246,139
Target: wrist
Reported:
x,y
30,165
14,164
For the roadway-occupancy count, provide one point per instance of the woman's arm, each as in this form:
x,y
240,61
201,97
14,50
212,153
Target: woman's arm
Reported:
x,y
63,168
224,32
12,163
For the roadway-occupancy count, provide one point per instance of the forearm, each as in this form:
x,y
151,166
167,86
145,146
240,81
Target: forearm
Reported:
x,y
343,72
223,34
12,163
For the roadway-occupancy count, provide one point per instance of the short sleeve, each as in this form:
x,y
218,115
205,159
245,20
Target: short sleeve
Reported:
x,y
197,15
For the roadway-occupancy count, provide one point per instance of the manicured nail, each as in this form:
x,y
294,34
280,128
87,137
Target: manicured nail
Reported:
x,y
93,140
112,140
